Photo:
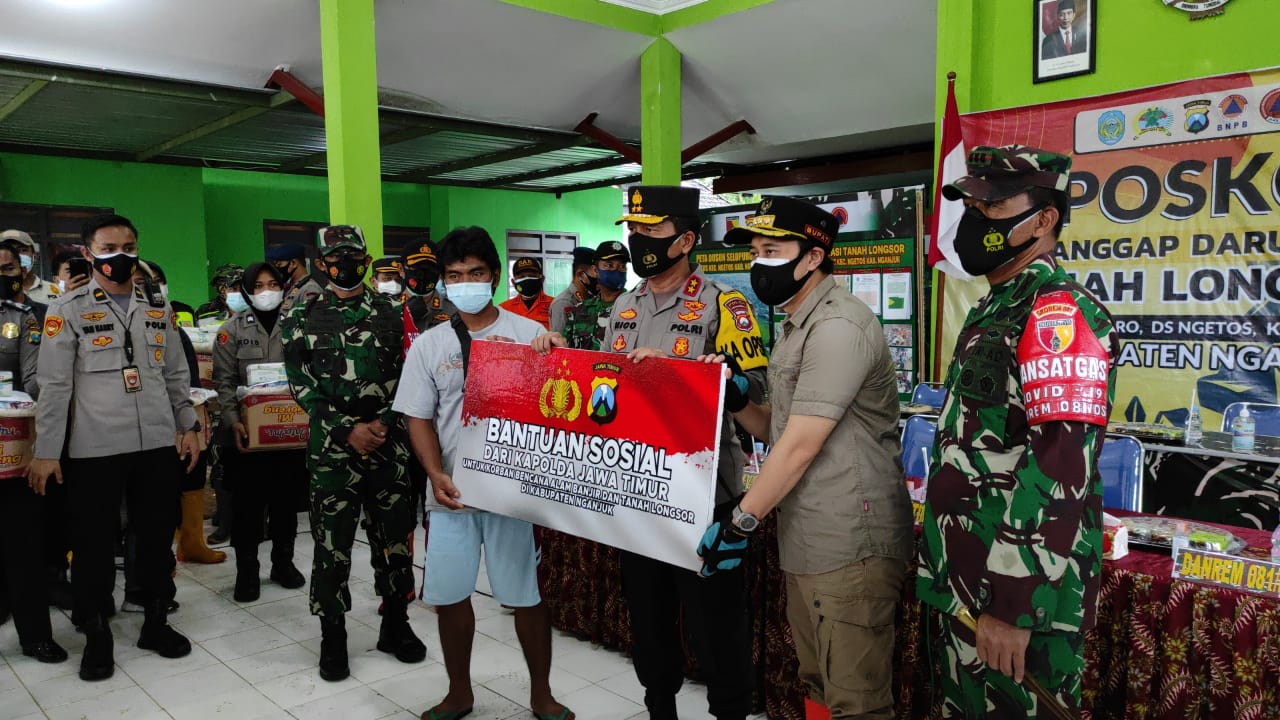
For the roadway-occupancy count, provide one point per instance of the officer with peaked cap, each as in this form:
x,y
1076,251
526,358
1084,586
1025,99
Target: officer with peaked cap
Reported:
x,y
833,471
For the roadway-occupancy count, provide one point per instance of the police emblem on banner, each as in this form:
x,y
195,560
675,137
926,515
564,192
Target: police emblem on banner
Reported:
x,y
603,406
1197,116
560,396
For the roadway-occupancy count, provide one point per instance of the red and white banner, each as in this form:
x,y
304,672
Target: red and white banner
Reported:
x,y
594,445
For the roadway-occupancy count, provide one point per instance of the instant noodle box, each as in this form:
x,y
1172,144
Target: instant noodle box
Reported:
x,y
17,437
273,419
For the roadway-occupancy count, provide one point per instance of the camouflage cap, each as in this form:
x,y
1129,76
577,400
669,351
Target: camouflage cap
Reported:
x,y
996,173
336,237
226,274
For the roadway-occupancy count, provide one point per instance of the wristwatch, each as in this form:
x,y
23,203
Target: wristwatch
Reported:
x,y
744,521
195,428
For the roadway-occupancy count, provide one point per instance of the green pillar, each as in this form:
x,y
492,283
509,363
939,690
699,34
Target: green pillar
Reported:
x,y
349,53
660,114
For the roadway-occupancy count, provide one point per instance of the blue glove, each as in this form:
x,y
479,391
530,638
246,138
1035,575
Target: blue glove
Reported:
x,y
722,548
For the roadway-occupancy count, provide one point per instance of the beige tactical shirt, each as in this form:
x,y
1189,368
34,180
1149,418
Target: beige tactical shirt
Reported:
x,y
832,362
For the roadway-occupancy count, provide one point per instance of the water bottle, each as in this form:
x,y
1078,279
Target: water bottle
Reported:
x,y
1275,545
1193,433
1242,432
1180,540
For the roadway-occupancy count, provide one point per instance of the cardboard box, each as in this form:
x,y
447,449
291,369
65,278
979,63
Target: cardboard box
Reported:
x,y
17,437
200,403
274,421
205,361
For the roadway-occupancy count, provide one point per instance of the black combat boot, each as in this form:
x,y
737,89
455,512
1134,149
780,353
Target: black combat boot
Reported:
x,y
333,649
248,584
156,634
395,636
98,661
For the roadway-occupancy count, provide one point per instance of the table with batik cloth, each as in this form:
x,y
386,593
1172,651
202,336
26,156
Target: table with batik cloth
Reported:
x,y
1161,648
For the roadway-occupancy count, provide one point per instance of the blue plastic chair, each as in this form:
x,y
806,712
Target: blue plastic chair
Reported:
x,y
931,394
917,444
1121,467
1266,418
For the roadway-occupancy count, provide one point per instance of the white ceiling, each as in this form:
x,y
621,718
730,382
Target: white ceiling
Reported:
x,y
814,77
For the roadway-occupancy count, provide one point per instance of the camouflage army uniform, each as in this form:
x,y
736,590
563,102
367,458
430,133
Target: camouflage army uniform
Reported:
x,y
587,323
1013,520
343,358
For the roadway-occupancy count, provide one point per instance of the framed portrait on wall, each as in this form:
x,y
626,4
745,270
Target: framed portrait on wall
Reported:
x,y
1065,39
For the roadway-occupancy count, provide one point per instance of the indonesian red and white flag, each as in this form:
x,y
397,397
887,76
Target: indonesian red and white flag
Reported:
x,y
947,213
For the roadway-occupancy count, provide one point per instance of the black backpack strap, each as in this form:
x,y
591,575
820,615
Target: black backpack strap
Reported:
x,y
464,339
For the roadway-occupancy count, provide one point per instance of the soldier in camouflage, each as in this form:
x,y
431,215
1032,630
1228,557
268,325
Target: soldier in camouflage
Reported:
x,y
343,358
586,323
1013,517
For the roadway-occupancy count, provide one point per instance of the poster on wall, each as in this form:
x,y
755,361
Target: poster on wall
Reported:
x,y
1064,35
876,258
1175,208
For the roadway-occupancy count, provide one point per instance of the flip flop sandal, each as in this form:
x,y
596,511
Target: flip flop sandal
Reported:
x,y
435,714
564,715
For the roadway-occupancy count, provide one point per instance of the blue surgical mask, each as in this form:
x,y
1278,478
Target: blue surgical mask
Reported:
x,y
26,261
471,297
612,279
236,302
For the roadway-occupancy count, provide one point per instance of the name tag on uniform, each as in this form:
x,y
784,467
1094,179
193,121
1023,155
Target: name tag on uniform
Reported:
x,y
132,378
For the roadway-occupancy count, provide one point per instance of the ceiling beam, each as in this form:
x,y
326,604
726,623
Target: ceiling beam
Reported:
x,y
695,171
285,80
218,125
557,171
394,137
473,127
21,98
910,159
426,173
133,83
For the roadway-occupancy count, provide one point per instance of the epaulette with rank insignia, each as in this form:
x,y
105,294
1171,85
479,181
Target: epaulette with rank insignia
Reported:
x,y
693,286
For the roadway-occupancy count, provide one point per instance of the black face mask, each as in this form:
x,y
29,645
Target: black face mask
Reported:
x,y
117,267
284,269
983,243
529,287
10,286
591,284
346,272
776,284
650,253
420,281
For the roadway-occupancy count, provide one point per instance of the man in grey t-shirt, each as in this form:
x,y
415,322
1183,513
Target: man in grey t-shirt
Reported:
x,y
430,396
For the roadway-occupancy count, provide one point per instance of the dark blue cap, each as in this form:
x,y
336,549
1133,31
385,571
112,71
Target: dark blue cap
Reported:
x,y
288,251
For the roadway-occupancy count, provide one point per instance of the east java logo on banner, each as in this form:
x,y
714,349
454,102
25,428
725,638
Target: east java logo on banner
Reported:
x,y
594,445
1063,366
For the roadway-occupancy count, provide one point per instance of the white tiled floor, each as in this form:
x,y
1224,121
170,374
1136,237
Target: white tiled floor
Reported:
x,y
257,661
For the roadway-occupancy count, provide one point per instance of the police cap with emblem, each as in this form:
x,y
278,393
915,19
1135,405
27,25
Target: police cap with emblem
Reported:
x,y
996,173
423,254
651,204
613,250
387,263
789,219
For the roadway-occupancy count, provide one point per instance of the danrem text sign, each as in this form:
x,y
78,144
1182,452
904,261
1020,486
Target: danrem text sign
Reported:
x,y
1238,573
594,445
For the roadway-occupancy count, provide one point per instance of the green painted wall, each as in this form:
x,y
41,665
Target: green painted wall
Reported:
x,y
165,202
1139,43
236,203
590,213
192,220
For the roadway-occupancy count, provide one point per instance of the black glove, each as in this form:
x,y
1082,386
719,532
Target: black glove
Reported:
x,y
736,387
723,547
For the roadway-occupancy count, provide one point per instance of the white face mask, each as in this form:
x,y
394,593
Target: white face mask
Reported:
x,y
235,301
267,300
62,285
389,287
164,290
